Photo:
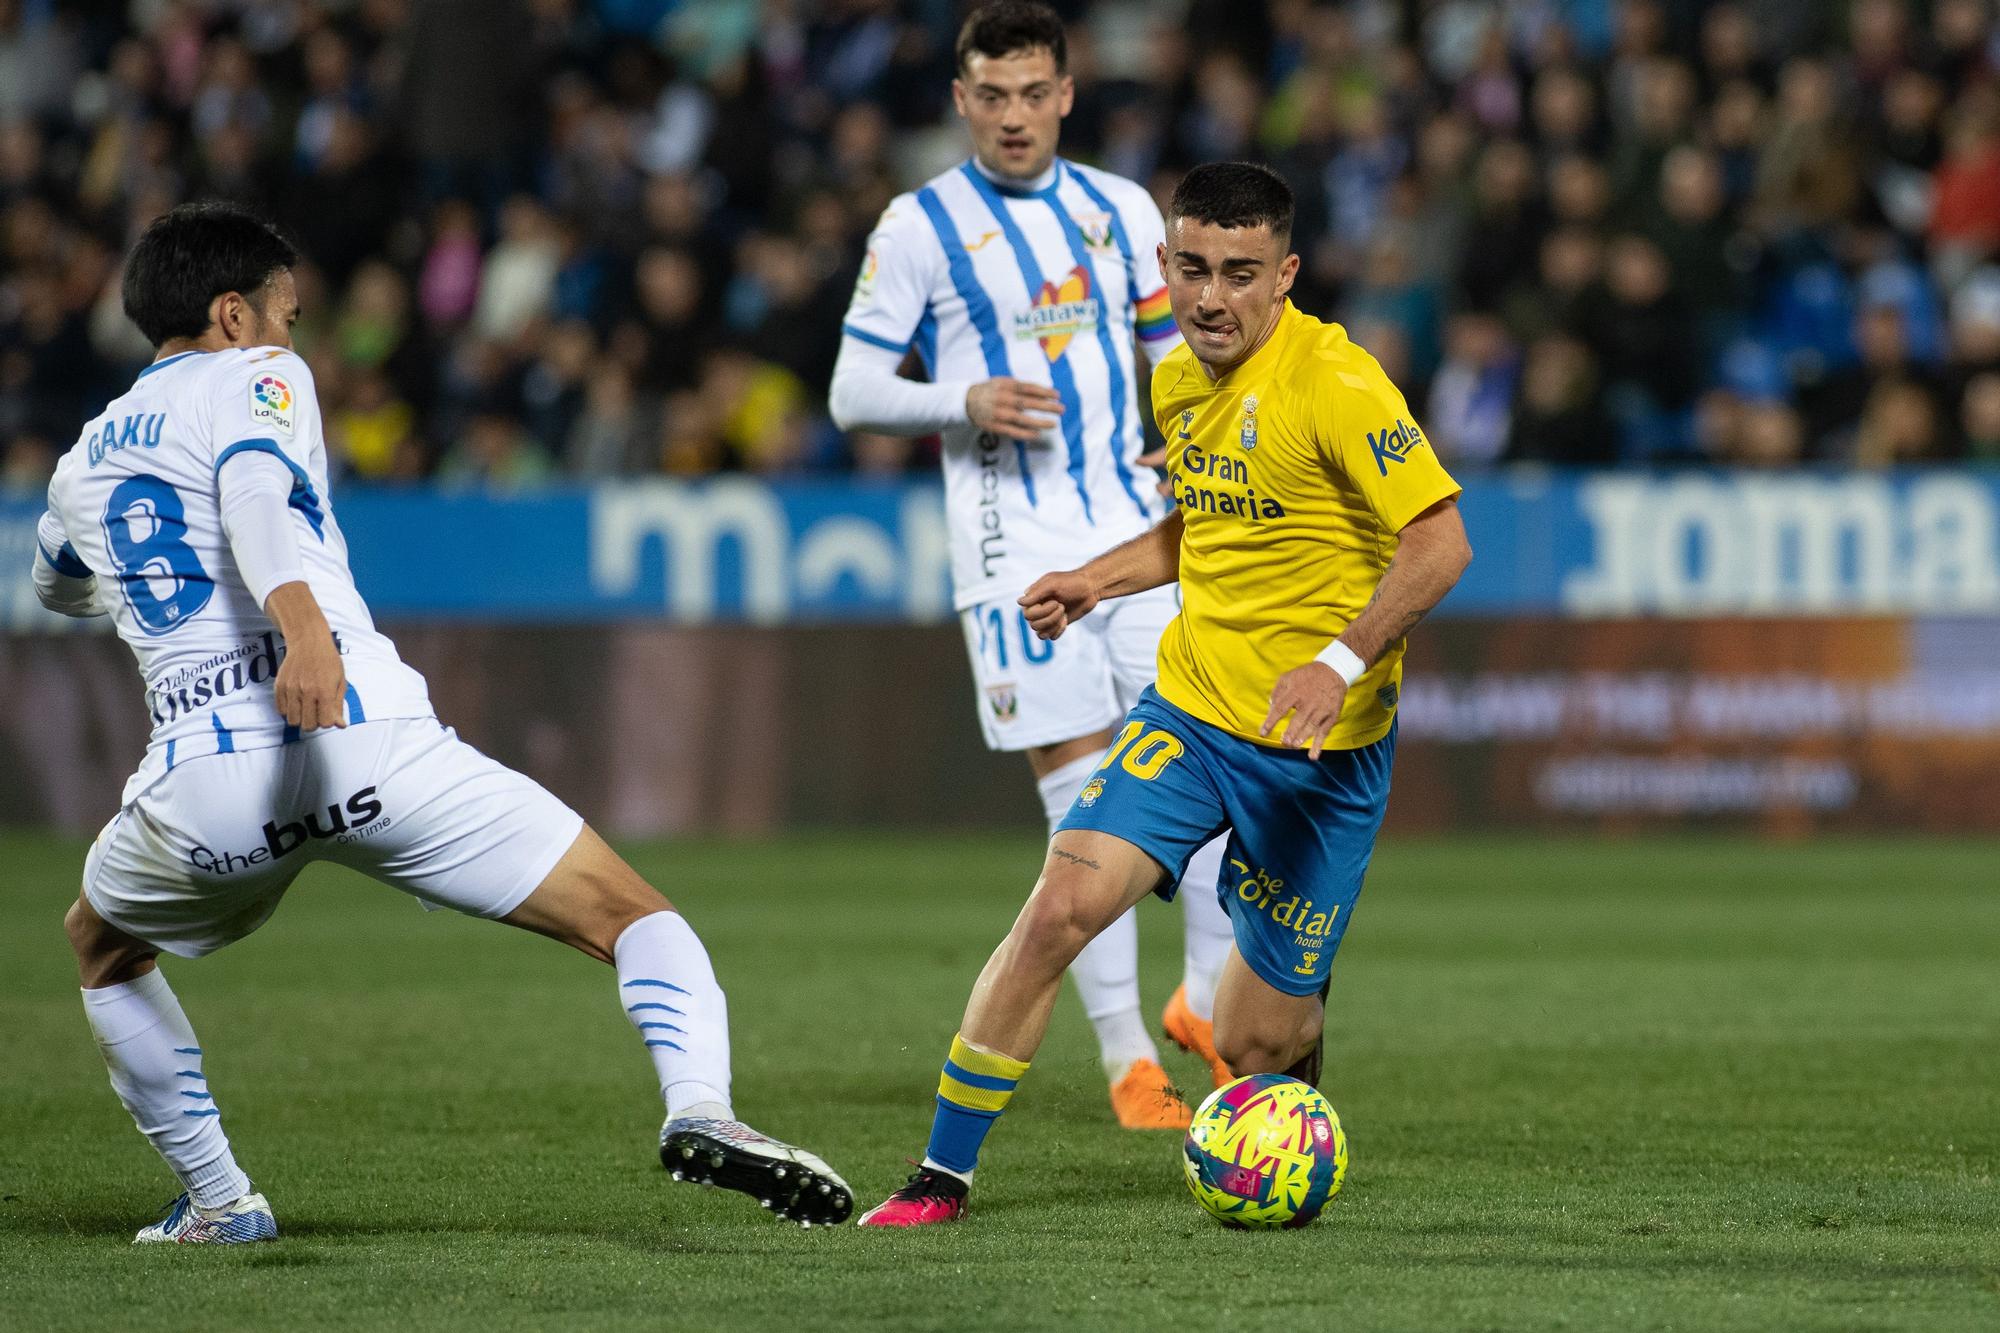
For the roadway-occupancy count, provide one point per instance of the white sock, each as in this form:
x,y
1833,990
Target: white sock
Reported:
x,y
670,993
964,1177
1107,971
1209,934
155,1064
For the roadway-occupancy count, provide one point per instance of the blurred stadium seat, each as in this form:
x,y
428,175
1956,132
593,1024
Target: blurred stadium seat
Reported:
x,y
605,237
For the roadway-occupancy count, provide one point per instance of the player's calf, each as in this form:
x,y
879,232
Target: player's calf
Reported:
x,y
1260,1029
596,903
157,1069
1249,1053
1087,882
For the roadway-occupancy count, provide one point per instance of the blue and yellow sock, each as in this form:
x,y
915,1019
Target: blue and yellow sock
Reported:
x,y
972,1092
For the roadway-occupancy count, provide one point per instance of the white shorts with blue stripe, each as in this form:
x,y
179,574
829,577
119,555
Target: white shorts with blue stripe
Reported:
x,y
200,857
1042,692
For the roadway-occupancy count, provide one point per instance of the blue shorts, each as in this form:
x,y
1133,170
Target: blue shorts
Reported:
x,y
1300,830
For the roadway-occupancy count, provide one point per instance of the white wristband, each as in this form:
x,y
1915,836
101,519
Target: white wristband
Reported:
x,y
1345,662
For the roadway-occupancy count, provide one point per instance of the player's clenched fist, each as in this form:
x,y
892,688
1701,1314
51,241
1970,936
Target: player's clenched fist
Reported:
x,y
1053,601
1010,407
1312,694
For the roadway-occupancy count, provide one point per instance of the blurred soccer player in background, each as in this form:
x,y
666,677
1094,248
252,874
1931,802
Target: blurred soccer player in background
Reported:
x,y
1023,282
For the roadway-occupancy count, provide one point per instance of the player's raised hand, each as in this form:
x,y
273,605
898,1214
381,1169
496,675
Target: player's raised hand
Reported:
x,y
1312,694
1010,407
1054,601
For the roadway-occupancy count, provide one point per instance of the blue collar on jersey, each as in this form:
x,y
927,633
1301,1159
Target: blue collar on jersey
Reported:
x,y
162,365
1040,187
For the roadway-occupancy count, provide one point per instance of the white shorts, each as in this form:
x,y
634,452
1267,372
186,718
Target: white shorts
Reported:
x,y
1036,692
200,858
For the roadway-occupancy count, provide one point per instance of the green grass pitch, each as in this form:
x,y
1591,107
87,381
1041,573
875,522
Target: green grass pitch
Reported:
x,y
1636,1085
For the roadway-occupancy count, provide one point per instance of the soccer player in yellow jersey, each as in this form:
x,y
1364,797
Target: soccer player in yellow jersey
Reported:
x,y
1314,529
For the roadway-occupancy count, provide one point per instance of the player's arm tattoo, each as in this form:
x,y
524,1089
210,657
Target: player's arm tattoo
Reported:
x,y
1411,617
1072,856
1433,554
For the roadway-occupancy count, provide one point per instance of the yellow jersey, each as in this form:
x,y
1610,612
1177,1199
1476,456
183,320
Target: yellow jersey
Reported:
x,y
1294,473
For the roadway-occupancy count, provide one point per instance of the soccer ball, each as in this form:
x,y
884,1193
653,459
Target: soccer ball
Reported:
x,y
1265,1151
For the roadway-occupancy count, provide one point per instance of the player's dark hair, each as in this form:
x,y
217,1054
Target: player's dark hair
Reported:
x,y
190,256
1235,194
1012,27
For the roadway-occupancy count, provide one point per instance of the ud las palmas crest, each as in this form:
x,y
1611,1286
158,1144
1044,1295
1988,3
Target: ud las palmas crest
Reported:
x,y
1249,437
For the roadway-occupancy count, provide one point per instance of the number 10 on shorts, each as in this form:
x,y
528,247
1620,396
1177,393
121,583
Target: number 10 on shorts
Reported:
x,y
1143,756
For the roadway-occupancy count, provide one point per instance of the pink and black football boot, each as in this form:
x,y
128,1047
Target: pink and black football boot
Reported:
x,y
928,1197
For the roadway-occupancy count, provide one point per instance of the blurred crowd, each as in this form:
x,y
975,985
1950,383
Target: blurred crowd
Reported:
x,y
615,237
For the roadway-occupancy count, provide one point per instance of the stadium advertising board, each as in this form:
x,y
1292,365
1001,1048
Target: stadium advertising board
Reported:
x,y
1788,651
1787,724
1610,545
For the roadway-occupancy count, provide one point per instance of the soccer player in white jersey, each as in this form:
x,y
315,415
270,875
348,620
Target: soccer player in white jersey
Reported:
x,y
1023,281
286,730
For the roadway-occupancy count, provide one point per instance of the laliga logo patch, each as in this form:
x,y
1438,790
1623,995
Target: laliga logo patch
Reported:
x,y
1003,701
1250,421
271,400
1091,791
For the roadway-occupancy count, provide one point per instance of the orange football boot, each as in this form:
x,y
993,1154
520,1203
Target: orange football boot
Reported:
x,y
1193,1035
1145,1098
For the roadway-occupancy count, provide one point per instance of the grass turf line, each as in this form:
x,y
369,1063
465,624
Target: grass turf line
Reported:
x,y
1644,1085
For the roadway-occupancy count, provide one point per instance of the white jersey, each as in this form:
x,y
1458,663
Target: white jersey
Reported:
x,y
138,505
1050,286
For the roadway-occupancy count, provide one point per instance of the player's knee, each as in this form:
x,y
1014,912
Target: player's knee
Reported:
x,y
589,900
91,938
105,955
1053,929
80,925
596,928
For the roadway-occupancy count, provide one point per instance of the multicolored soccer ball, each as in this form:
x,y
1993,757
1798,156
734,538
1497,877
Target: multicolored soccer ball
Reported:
x,y
1265,1151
